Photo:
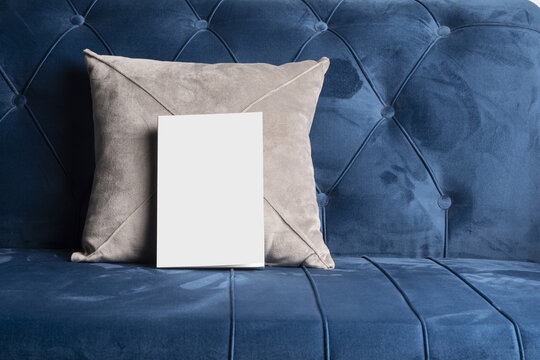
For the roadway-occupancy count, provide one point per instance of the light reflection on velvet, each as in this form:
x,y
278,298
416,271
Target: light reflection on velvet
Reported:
x,y
471,107
53,309
461,76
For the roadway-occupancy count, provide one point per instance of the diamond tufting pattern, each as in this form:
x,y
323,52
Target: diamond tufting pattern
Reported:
x,y
425,142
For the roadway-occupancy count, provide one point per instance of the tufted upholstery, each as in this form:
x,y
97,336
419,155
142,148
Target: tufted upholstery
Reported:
x,y
425,142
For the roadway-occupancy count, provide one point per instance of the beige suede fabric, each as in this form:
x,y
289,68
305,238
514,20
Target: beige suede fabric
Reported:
x,y
129,95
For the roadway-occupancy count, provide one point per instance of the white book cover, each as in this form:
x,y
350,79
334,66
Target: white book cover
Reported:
x,y
210,191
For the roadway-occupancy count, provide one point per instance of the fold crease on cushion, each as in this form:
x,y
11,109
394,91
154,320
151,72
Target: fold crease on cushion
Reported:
x,y
129,95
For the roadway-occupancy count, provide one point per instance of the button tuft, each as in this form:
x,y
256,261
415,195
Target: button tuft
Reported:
x,y
19,100
201,24
77,20
321,26
388,112
443,31
444,202
322,199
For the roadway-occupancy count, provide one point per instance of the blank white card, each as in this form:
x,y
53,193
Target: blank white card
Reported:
x,y
210,191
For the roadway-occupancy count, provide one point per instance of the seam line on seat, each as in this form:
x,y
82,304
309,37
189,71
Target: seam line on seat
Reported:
x,y
186,44
72,7
411,142
225,45
322,312
8,81
192,8
429,11
214,9
311,9
414,69
463,27
489,301
232,329
407,300
313,36
419,154
90,8
359,63
7,113
445,243
44,58
99,37
334,11
355,156
50,145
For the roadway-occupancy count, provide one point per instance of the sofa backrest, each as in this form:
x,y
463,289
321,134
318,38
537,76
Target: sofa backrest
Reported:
x,y
426,139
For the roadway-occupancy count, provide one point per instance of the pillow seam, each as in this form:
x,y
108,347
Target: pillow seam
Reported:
x,y
299,233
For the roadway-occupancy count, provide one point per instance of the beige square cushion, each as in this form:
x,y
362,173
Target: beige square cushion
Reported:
x,y
129,95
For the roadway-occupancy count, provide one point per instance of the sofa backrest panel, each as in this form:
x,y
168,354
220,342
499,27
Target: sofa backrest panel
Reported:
x,y
426,141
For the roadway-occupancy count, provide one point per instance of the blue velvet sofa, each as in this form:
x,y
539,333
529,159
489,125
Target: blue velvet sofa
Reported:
x,y
426,146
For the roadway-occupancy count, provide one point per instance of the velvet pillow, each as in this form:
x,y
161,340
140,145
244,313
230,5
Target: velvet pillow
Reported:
x,y
129,95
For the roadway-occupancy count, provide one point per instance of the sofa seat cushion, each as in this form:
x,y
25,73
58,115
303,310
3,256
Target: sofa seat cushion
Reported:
x,y
372,308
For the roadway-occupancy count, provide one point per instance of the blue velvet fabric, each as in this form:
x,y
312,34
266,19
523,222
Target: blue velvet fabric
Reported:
x,y
425,141
368,308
